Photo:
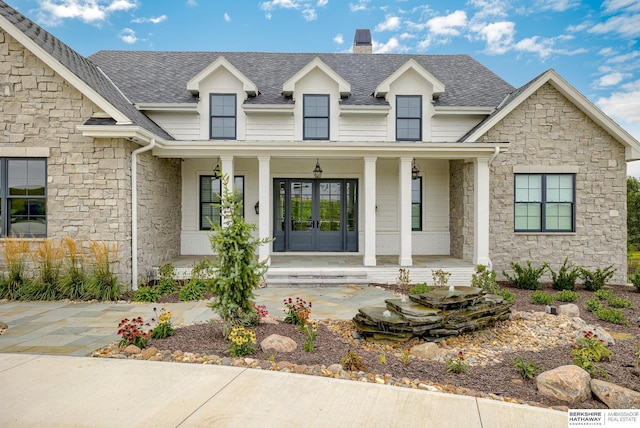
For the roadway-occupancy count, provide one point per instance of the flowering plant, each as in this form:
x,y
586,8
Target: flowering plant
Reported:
x,y
298,312
241,341
310,330
133,333
591,349
457,364
164,328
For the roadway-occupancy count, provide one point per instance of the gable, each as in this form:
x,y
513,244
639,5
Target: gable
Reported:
x,y
288,88
218,68
411,69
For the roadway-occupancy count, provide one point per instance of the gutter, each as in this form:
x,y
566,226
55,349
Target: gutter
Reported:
x,y
134,211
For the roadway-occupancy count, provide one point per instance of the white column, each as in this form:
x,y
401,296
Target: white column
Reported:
x,y
481,212
404,196
369,191
264,200
227,169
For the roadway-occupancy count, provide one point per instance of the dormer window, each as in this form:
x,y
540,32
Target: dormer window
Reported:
x,y
408,118
222,117
316,117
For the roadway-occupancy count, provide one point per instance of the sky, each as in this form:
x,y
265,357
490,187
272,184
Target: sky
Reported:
x,y
594,45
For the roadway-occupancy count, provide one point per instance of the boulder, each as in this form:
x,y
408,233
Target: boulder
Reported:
x,y
149,352
615,396
3,327
597,331
278,343
565,383
132,349
427,351
569,310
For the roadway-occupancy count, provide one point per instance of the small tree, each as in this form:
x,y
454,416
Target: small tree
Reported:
x,y
238,271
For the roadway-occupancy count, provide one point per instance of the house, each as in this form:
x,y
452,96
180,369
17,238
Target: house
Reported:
x,y
356,156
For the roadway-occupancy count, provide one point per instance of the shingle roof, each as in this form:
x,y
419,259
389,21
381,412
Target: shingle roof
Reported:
x,y
86,70
161,77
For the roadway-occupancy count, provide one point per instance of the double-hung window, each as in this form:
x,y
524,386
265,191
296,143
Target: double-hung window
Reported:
x,y
222,116
23,201
545,202
316,117
409,118
210,192
416,203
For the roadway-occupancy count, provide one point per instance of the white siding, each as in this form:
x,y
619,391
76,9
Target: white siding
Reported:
x,y
435,183
270,127
363,128
451,128
181,126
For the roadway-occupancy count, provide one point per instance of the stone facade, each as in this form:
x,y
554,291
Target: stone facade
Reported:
x,y
461,209
548,132
89,181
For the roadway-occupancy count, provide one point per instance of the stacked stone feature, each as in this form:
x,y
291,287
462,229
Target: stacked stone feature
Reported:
x,y
433,316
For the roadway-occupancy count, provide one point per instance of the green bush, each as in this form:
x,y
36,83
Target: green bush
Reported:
x,y
593,304
192,290
565,278
615,316
619,302
596,279
527,278
102,283
507,295
589,351
604,294
167,283
635,279
541,298
526,369
566,296
74,280
146,294
420,288
486,279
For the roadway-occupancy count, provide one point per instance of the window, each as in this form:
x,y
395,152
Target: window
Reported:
x,y
408,118
316,117
416,203
544,203
23,207
223,116
210,191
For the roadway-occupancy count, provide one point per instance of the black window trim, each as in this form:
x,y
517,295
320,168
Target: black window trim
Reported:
x,y
419,118
543,204
235,115
304,117
201,203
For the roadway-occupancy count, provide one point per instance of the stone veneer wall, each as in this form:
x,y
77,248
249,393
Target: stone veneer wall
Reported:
x,y
547,130
89,182
461,209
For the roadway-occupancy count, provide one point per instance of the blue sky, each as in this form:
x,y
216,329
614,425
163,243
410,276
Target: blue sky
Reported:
x,y
594,45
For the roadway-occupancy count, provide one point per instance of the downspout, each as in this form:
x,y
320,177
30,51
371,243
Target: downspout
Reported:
x,y
134,211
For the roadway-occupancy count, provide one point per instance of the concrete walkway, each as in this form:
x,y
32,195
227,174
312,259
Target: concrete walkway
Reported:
x,y
43,386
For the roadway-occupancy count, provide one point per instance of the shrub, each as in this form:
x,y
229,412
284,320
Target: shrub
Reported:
x,y
133,332
238,271
619,302
420,288
541,298
47,258
102,283
74,280
167,283
146,294
593,304
298,312
565,278
440,277
403,277
603,294
352,361
15,257
596,279
457,364
590,350
527,278
615,316
192,290
164,328
566,296
241,341
486,279
526,369
507,295
635,279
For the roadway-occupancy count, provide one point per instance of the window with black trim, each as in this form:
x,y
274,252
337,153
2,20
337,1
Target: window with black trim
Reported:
x,y
222,116
23,189
544,202
409,117
416,203
316,117
210,191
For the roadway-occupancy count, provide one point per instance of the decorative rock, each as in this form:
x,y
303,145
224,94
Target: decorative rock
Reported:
x,y
570,310
335,368
615,396
597,331
132,349
565,383
149,352
427,351
278,343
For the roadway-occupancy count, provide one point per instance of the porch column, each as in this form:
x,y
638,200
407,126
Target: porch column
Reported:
x,y
226,164
404,194
369,191
264,201
481,212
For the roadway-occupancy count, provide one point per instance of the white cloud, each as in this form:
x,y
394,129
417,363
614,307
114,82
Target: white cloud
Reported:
x,y
227,17
606,51
322,3
625,25
613,6
192,3
152,20
128,36
624,106
391,23
556,5
360,6
305,7
449,25
610,79
309,14
490,8
618,59
392,46
53,12
338,39
497,35
545,47
275,4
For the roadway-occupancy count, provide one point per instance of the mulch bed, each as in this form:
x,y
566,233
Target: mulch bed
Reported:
x,y
500,379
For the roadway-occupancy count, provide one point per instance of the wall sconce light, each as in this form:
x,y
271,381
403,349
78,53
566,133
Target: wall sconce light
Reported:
x,y
317,171
257,207
216,170
415,171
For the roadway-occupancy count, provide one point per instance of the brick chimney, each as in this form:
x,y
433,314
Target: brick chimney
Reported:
x,y
362,41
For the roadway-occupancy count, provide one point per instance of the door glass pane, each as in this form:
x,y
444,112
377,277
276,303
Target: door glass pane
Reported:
x,y
280,205
301,206
352,206
330,206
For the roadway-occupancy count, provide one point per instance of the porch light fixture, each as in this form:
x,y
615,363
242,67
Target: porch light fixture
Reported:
x,y
216,170
317,171
257,207
415,171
